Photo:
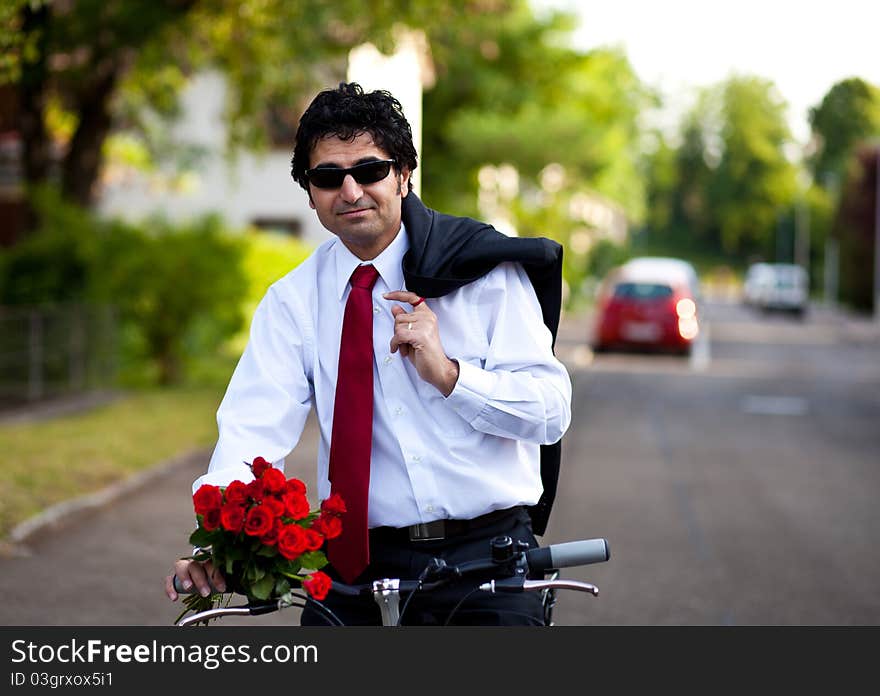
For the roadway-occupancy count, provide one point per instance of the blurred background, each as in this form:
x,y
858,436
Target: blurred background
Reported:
x,y
146,205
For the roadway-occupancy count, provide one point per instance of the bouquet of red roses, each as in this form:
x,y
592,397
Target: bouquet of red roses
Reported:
x,y
263,536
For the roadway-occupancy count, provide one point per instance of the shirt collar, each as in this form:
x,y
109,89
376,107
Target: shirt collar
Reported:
x,y
389,263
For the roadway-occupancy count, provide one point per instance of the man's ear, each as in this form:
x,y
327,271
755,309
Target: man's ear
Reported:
x,y
311,202
403,182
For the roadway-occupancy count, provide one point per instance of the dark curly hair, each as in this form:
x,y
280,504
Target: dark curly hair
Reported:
x,y
346,112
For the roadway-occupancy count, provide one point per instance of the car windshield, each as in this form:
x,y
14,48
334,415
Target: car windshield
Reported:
x,y
642,291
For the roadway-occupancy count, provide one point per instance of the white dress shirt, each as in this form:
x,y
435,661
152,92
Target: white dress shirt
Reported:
x,y
456,457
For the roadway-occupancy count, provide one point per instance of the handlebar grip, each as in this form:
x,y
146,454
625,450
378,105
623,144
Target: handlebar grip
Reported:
x,y
570,553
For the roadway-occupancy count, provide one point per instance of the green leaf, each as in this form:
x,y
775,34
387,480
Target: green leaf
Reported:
x,y
236,553
201,537
313,559
268,551
254,573
262,589
289,567
282,586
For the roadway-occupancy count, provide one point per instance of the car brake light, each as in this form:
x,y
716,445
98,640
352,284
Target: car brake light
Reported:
x,y
685,308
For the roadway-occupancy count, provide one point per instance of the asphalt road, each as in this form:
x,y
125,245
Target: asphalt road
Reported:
x,y
736,487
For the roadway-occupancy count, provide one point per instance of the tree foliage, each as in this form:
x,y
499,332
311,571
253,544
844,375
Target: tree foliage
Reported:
x,y
102,61
728,182
854,228
848,114
512,91
754,181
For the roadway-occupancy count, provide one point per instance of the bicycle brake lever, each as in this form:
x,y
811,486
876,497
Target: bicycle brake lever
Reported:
x,y
437,569
519,584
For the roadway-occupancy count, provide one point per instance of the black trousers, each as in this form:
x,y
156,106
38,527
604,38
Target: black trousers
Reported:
x,y
394,556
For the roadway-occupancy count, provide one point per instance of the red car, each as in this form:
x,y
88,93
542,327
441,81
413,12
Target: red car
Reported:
x,y
648,303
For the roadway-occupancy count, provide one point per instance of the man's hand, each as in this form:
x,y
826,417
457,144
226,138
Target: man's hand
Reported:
x,y
192,573
417,337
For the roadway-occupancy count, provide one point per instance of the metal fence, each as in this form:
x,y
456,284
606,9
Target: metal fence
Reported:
x,y
49,351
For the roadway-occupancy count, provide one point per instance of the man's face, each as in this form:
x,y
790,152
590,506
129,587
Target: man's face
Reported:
x,y
365,217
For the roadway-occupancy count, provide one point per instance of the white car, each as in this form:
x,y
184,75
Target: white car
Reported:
x,y
780,287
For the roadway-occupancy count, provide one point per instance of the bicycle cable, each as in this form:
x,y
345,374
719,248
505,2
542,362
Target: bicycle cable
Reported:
x,y
458,605
328,614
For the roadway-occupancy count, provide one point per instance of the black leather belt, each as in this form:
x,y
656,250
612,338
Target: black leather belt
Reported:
x,y
442,529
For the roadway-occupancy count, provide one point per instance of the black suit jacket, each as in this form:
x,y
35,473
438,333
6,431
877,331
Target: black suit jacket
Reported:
x,y
446,252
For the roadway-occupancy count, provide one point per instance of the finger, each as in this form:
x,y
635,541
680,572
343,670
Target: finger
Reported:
x,y
397,310
200,579
169,587
397,341
216,578
405,296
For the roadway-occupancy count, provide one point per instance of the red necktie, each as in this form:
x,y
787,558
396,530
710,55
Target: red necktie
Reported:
x,y
352,437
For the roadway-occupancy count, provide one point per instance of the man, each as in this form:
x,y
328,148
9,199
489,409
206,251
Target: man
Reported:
x,y
463,391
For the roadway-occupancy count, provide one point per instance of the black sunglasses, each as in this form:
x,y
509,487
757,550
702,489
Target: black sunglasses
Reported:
x,y
363,173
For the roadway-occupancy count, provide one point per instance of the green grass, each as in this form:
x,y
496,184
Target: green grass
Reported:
x,y
54,460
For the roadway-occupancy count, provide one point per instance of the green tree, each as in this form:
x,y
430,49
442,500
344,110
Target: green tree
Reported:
x,y
691,208
100,61
847,115
512,91
854,228
512,94
754,183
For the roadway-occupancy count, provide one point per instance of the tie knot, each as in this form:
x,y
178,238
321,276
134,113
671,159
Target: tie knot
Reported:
x,y
364,277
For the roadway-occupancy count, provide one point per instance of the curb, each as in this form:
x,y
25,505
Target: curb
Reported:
x,y
65,511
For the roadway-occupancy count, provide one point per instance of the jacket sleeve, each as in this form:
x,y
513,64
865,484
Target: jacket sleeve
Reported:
x,y
519,390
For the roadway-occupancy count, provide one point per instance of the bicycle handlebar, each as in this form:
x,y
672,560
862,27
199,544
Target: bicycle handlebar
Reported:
x,y
540,561
508,576
567,554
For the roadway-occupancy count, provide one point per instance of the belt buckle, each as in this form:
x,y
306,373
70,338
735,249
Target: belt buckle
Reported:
x,y
427,531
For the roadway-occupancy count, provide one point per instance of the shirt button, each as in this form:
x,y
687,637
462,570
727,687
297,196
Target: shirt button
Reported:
x,y
416,458
398,411
387,360
429,508
376,310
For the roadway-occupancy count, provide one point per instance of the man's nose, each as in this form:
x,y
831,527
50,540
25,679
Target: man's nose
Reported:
x,y
350,191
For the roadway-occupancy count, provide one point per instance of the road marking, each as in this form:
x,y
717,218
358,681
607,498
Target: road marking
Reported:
x,y
774,405
701,351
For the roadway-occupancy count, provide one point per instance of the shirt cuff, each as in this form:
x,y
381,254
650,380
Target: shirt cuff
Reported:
x,y
472,390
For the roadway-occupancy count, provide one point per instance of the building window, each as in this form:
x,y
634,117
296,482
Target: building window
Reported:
x,y
291,227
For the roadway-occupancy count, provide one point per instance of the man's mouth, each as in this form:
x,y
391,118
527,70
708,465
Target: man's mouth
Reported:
x,y
354,212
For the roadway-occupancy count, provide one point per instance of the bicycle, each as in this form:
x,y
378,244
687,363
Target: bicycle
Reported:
x,y
512,566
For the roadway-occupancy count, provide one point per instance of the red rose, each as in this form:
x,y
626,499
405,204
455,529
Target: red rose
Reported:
x,y
296,505
206,498
232,517
275,506
259,466
291,541
318,585
259,521
328,525
294,485
236,493
255,490
270,538
211,519
274,481
314,539
334,505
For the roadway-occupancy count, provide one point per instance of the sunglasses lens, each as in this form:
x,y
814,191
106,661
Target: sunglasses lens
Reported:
x,y
370,172
326,177
332,177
